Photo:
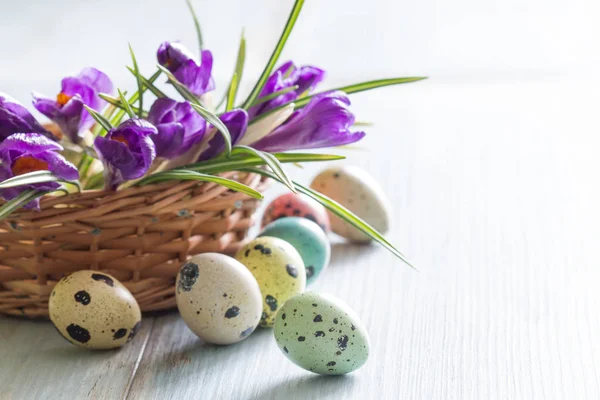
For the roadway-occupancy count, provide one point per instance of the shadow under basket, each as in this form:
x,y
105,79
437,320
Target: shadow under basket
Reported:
x,y
140,235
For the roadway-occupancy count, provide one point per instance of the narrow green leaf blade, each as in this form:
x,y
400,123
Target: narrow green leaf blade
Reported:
x,y
238,161
99,118
118,103
197,25
34,177
231,93
217,123
269,160
341,212
119,115
186,175
21,200
138,77
275,56
266,98
148,84
126,104
354,88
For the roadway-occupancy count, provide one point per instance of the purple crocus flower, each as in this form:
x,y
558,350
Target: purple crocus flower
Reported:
x,y
179,127
236,122
14,118
126,151
182,64
27,152
306,77
324,122
67,108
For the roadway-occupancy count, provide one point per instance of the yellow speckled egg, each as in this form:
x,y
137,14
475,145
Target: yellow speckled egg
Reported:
x,y
92,309
218,298
279,270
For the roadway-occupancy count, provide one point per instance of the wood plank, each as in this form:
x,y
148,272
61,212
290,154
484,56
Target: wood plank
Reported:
x,y
38,363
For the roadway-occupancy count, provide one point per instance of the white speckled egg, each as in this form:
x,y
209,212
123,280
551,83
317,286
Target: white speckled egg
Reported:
x,y
218,298
279,270
92,309
356,190
322,334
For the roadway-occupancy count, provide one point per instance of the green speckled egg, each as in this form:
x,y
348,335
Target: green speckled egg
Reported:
x,y
320,333
306,237
92,309
278,269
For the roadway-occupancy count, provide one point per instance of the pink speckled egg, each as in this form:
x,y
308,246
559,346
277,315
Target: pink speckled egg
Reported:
x,y
296,205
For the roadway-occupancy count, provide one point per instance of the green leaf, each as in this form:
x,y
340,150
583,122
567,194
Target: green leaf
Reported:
x,y
275,56
99,118
217,123
186,175
95,181
34,177
197,25
118,103
238,161
21,200
119,115
355,88
341,212
231,92
138,77
263,99
149,84
126,105
269,160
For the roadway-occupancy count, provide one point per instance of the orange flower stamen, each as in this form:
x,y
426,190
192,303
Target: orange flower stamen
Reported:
x,y
120,138
27,164
62,98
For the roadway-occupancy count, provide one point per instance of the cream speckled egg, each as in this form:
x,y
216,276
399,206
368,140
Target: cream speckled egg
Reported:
x,y
279,270
218,298
92,309
322,334
356,190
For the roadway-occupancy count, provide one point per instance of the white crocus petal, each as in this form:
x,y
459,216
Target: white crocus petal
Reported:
x,y
266,125
207,102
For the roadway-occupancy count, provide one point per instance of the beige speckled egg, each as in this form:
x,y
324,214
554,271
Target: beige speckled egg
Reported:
x,y
92,309
356,190
279,270
218,298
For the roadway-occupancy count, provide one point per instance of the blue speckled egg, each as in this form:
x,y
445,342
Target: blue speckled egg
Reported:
x,y
306,237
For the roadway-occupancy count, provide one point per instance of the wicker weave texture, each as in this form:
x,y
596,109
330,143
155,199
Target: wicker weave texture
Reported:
x,y
140,235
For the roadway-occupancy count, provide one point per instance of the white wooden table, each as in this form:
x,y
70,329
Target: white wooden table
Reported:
x,y
491,166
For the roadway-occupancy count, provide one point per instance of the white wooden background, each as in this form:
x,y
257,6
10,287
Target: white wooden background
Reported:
x,y
491,165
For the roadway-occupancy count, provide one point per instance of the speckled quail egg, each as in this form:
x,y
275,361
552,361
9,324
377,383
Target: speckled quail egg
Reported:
x,y
296,205
356,190
320,333
306,237
218,298
92,309
279,270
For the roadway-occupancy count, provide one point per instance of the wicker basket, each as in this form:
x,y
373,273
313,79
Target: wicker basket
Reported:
x,y
140,235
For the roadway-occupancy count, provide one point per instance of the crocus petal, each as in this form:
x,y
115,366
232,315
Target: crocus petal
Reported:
x,y
59,165
236,122
24,152
14,118
29,143
308,77
324,122
196,76
127,151
96,79
169,139
180,127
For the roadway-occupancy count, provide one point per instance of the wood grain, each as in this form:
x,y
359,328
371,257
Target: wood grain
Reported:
x,y
491,167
